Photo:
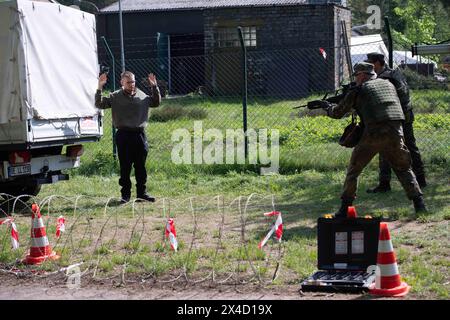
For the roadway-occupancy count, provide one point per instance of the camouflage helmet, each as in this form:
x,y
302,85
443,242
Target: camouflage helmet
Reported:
x,y
364,67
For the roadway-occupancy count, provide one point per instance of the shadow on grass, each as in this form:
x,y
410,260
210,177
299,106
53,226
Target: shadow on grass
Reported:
x,y
315,201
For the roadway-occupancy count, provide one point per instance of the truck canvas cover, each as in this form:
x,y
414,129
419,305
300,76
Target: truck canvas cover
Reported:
x,y
48,62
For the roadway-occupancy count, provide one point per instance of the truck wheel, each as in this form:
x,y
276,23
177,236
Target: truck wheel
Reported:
x,y
16,191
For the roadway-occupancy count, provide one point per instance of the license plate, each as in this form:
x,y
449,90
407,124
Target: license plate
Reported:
x,y
19,170
88,125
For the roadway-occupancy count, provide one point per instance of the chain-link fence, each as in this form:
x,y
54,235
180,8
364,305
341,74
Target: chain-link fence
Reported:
x,y
217,241
429,85
208,87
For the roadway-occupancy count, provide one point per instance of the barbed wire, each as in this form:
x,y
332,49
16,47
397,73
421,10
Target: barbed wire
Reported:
x,y
96,237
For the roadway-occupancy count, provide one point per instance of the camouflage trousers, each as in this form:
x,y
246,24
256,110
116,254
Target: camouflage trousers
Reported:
x,y
410,141
386,140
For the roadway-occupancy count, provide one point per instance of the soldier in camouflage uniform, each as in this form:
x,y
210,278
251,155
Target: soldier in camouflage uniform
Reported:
x,y
398,80
376,102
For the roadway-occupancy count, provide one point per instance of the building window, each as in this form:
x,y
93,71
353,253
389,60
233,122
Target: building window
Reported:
x,y
228,37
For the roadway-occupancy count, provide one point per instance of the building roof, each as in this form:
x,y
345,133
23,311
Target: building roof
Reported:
x,y
166,5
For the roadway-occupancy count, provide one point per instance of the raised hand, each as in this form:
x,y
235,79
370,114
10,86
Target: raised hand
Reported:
x,y
102,80
152,80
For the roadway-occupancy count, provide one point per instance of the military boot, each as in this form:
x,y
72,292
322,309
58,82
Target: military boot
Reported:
x,y
342,212
384,186
419,205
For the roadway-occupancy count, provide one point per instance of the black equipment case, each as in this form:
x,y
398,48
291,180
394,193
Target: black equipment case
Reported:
x,y
346,248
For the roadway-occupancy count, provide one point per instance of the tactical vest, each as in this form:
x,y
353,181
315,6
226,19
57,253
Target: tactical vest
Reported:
x,y
378,102
398,80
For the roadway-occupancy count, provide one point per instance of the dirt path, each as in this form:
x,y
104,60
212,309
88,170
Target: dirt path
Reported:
x,y
35,289
62,293
31,292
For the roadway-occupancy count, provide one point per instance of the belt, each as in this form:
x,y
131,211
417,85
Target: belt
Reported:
x,y
139,129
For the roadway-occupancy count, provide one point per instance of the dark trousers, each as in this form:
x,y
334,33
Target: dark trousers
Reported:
x,y
410,141
386,141
132,148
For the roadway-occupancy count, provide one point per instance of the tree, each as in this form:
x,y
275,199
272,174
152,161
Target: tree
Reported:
x,y
420,22
442,14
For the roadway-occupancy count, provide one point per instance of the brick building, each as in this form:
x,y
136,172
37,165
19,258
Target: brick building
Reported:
x,y
195,42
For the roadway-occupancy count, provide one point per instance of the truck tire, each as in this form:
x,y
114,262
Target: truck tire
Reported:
x,y
16,191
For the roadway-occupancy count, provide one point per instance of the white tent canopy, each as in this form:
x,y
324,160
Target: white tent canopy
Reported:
x,y
407,58
362,45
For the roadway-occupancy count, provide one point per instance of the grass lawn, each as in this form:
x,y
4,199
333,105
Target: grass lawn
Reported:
x,y
218,208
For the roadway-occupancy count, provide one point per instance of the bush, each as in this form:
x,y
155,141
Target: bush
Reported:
x,y
430,101
170,113
102,163
418,81
166,114
310,131
432,122
197,114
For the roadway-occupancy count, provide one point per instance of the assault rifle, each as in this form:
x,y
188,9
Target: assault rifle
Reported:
x,y
338,96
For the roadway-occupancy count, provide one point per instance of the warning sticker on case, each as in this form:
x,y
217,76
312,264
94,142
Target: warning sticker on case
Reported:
x,y
357,242
341,243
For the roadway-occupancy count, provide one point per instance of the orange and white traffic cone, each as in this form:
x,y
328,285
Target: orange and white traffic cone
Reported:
x,y
351,212
388,281
40,248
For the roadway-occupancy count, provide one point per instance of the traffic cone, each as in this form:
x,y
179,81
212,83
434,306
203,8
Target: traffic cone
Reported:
x,y
388,281
40,248
351,212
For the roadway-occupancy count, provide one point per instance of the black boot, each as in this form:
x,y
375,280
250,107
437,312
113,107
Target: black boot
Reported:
x,y
421,181
419,205
381,188
146,197
342,212
125,198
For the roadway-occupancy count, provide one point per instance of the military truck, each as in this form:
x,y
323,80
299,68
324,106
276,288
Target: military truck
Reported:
x,y
48,77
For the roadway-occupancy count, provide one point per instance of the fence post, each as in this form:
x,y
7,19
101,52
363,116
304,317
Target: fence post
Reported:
x,y
348,55
169,66
390,46
122,49
244,89
113,130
